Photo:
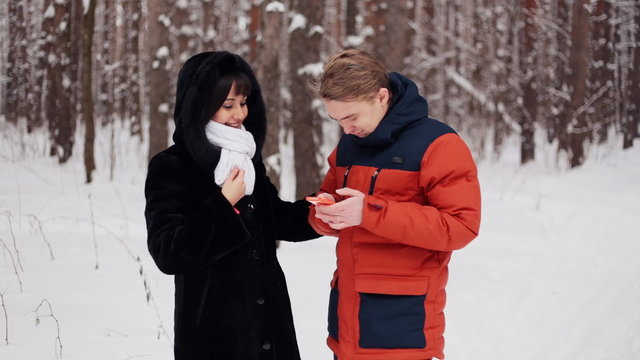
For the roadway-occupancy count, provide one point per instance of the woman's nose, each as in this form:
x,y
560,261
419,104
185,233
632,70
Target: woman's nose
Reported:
x,y
239,113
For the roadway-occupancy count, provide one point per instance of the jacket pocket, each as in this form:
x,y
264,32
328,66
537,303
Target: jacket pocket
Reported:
x,y
333,310
392,311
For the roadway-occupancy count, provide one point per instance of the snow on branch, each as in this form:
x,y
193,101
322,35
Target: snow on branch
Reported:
x,y
275,6
313,69
298,21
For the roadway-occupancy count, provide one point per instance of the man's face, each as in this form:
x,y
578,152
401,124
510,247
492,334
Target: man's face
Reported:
x,y
359,117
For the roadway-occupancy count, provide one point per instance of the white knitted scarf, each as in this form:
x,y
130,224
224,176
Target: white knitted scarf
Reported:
x,y
237,148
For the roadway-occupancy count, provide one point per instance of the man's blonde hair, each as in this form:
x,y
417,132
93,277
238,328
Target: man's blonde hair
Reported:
x,y
351,75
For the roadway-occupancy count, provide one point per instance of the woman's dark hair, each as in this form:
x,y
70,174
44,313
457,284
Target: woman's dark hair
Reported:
x,y
243,87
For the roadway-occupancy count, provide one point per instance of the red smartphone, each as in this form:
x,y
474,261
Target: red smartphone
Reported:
x,y
319,200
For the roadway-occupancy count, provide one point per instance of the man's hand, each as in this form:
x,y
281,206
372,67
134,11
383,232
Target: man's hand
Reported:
x,y
345,213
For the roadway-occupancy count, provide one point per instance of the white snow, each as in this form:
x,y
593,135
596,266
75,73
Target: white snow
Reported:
x,y
298,21
49,12
553,274
316,29
162,52
163,108
164,20
312,69
275,6
182,4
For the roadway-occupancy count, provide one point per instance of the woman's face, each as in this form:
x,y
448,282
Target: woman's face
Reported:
x,y
233,110
360,117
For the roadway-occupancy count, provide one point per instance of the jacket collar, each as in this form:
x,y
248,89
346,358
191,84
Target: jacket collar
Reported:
x,y
407,107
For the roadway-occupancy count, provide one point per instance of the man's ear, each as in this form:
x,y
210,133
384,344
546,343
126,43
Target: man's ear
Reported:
x,y
383,96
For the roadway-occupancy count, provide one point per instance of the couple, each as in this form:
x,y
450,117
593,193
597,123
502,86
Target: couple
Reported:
x,y
406,195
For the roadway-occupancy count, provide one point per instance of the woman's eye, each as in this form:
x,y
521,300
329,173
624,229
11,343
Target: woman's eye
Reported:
x,y
227,106
243,104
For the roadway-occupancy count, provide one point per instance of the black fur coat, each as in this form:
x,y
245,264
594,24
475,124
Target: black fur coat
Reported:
x,y
231,300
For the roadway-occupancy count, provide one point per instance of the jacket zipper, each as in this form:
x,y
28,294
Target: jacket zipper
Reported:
x,y
346,175
373,180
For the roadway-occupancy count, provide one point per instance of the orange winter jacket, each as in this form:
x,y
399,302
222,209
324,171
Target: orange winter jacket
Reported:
x,y
422,201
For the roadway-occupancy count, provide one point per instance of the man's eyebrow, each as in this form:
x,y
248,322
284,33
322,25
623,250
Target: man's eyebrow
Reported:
x,y
346,117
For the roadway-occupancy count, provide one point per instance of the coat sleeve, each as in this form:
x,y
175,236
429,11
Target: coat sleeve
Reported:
x,y
184,233
328,186
290,218
450,219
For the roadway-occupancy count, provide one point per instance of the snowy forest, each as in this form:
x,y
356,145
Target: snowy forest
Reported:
x,y
559,72
545,92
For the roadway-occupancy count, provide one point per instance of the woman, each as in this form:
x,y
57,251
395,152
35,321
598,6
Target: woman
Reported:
x,y
213,218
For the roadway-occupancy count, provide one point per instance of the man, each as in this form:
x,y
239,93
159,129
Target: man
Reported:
x,y
407,195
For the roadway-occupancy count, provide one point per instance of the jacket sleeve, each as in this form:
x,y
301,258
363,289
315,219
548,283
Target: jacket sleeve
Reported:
x,y
184,233
450,219
328,186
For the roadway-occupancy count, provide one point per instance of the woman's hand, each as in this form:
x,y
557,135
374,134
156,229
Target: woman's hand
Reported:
x,y
234,188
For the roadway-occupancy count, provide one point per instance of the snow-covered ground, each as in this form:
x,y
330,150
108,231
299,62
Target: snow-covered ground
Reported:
x,y
553,274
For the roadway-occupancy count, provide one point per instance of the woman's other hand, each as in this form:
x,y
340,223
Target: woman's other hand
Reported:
x,y
234,188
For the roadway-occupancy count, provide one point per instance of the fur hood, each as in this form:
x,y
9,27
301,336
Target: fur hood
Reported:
x,y
196,83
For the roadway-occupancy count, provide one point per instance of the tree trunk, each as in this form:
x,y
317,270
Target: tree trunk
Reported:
x,y
579,130
161,65
504,97
37,38
182,31
57,90
304,49
529,96
255,16
563,74
76,23
118,47
134,109
87,85
630,130
17,74
271,79
350,18
390,22
107,54
603,110
209,25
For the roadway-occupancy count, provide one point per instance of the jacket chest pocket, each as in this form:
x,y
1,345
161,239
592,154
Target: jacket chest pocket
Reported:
x,y
392,311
